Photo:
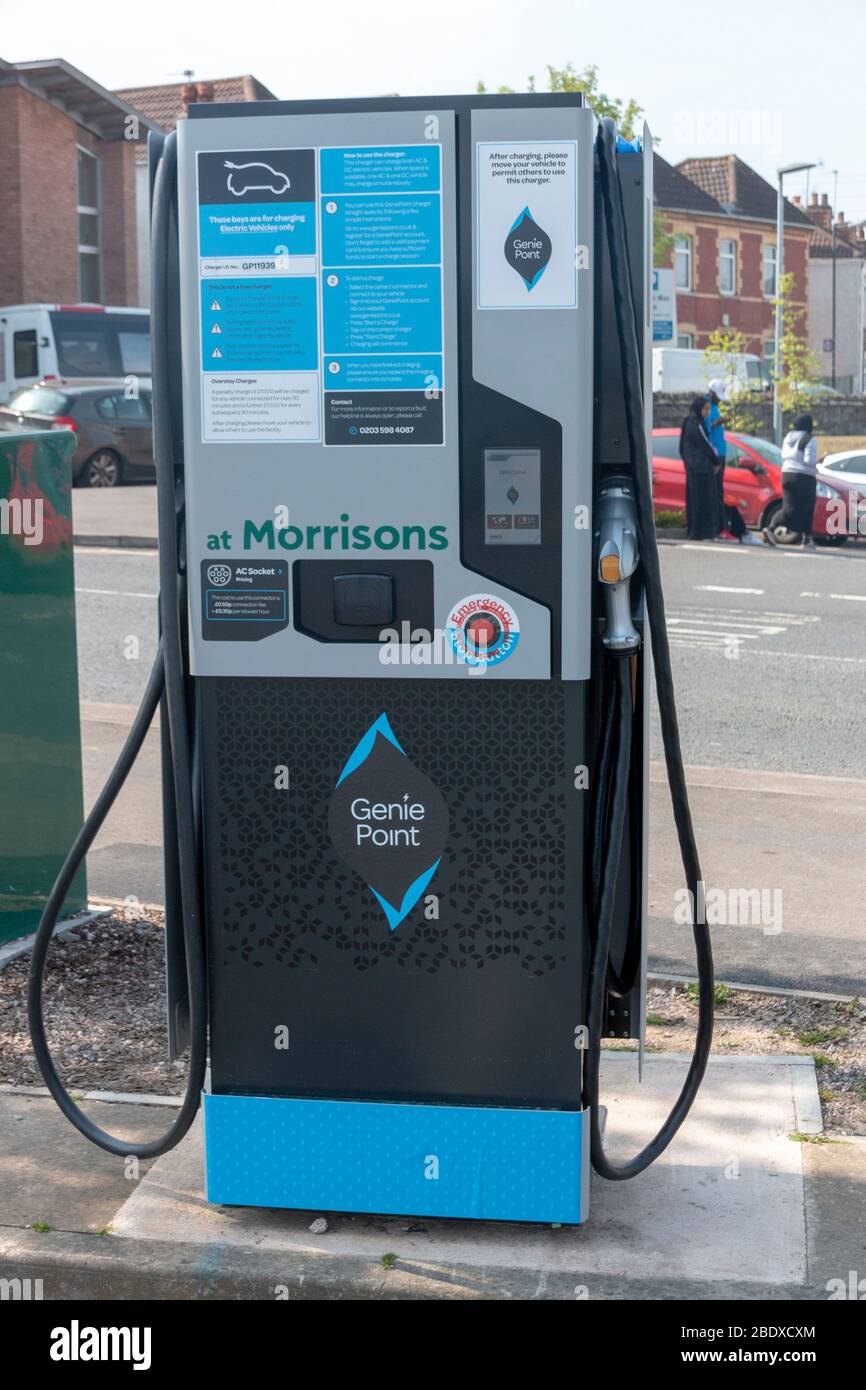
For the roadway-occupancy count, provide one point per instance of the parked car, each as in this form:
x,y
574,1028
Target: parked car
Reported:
x,y
114,429
43,342
753,484
849,467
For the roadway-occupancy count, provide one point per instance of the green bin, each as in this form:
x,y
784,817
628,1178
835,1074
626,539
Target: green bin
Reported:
x,y
41,795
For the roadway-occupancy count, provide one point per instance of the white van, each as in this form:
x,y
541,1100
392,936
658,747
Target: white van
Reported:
x,y
39,341
686,369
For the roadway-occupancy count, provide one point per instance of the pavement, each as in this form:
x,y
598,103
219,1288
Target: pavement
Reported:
x,y
734,1209
119,516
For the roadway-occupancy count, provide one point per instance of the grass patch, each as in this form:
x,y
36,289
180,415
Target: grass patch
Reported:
x,y
815,1036
721,993
388,1261
812,1139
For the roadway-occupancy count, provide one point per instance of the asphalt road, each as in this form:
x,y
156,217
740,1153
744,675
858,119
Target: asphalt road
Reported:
x,y
769,661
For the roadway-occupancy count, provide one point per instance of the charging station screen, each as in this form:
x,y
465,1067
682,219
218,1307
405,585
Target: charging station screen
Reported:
x,y
512,496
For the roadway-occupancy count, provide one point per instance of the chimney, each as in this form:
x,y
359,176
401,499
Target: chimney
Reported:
x,y
840,218
187,95
820,213
796,200
204,91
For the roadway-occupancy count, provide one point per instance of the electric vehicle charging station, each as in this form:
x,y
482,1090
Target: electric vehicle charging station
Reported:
x,y
408,585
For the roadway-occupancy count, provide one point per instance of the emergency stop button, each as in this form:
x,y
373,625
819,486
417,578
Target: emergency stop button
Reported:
x,y
482,631
363,600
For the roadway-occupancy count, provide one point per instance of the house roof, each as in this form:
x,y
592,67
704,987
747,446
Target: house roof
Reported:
x,y
676,193
848,244
168,103
103,113
739,189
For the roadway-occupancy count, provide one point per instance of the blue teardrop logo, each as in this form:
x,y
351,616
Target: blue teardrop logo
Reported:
x,y
528,249
388,821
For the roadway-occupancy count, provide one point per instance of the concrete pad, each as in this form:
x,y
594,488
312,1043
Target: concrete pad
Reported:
x,y
836,1217
725,1203
50,1174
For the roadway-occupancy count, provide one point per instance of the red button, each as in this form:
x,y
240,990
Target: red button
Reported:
x,y
482,631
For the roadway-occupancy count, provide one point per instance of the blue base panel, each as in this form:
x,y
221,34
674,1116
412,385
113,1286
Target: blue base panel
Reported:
x,y
483,1163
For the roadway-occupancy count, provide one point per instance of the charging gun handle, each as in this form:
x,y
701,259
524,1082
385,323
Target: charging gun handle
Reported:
x,y
616,561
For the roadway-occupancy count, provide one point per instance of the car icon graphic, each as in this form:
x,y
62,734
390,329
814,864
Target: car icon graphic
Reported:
x,y
257,177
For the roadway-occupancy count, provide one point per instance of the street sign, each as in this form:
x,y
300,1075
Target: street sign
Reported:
x,y
664,308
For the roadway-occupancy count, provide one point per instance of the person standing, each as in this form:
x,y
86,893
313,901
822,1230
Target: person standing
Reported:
x,y
700,462
799,481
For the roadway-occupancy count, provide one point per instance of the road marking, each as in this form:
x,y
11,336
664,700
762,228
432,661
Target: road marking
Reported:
x,y
724,589
698,626
115,593
851,598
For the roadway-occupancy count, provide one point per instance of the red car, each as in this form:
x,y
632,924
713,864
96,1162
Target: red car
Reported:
x,y
753,484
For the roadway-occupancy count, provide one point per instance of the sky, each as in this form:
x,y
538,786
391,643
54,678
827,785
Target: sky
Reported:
x,y
775,81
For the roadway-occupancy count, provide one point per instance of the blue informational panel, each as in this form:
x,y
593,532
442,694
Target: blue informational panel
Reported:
x,y
381,213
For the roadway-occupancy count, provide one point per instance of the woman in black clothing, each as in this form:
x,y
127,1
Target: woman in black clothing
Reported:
x,y
700,460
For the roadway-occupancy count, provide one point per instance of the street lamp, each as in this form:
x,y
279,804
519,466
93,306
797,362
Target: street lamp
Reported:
x,y
780,266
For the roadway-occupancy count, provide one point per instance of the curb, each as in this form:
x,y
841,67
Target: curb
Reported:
x,y
119,542
72,1265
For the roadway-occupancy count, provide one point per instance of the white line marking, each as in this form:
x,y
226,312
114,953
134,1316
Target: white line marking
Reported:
x,y
724,589
115,593
852,598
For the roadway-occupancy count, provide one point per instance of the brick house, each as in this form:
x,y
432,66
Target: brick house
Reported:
x,y
722,216
67,171
165,105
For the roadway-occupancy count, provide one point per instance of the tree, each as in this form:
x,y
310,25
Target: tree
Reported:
x,y
797,367
742,406
567,79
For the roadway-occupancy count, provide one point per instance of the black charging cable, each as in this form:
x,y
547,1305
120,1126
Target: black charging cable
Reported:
x,y
166,678
621,717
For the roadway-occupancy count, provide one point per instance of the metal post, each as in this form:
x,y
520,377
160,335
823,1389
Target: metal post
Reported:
x,y
780,270
833,215
777,349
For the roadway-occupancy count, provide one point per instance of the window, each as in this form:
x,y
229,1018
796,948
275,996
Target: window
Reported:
x,y
39,400
101,344
683,262
685,340
855,464
84,345
769,275
25,353
135,350
666,446
118,406
89,268
727,267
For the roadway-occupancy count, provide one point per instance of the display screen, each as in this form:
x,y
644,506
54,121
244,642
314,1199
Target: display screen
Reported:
x,y
512,496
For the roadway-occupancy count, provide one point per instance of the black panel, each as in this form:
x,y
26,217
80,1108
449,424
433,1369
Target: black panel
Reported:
x,y
479,1006
314,598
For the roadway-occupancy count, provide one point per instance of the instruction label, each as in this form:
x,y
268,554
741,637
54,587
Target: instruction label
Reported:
x,y
526,221
258,287
382,295
243,601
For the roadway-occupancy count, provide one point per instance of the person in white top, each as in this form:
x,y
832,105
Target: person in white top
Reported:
x,y
799,480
